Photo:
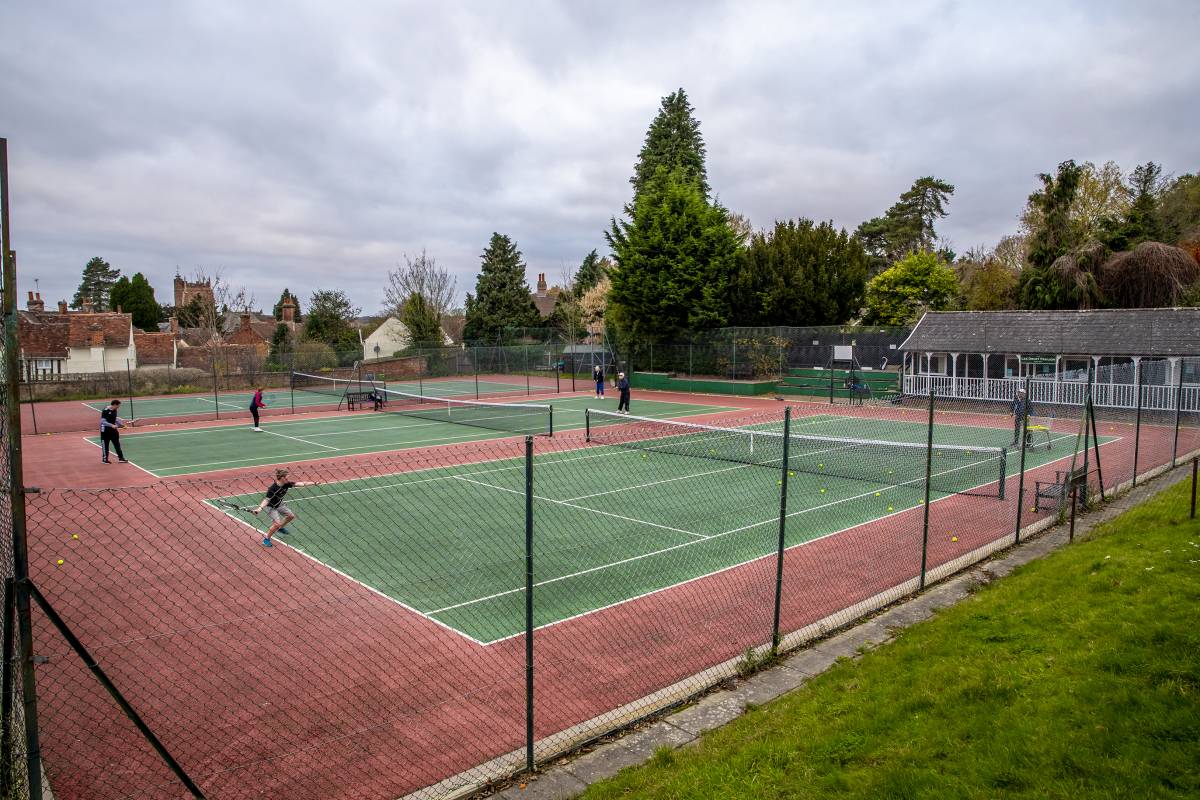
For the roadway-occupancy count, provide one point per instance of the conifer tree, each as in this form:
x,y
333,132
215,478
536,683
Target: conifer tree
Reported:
x,y
502,298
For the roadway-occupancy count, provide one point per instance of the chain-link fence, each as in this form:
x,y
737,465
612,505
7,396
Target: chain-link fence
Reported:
x,y
436,619
222,389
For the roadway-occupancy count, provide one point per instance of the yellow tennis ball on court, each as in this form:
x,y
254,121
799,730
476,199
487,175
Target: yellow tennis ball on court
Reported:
x,y
792,474
779,483
820,466
954,538
60,562
877,494
643,455
822,491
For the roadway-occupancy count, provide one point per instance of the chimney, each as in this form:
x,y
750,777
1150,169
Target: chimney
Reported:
x,y
174,323
288,312
541,284
35,302
62,306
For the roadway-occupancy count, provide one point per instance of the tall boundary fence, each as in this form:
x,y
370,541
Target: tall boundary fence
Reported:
x,y
440,619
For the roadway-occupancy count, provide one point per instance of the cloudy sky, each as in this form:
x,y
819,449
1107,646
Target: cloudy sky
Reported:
x,y
312,144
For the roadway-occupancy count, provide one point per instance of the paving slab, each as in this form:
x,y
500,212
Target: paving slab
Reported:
x,y
555,784
711,712
770,684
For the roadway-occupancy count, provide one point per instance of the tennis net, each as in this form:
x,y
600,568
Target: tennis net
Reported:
x,y
956,469
331,387
523,418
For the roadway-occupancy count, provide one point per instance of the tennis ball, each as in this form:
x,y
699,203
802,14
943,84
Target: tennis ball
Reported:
x,y
792,474
889,508
877,494
779,483
74,535
60,562
954,538
643,455
822,491
820,466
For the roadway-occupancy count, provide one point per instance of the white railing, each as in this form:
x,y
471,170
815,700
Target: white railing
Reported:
x,y
1072,393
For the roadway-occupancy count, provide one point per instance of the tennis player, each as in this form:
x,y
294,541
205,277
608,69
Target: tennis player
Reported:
x,y
623,388
109,435
276,509
598,377
256,403
1021,408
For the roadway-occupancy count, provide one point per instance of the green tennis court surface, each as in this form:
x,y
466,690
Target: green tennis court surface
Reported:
x,y
187,405
206,449
611,524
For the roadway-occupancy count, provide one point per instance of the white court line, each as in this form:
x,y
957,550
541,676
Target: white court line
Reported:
x,y
352,579
297,439
583,508
127,461
660,551
222,403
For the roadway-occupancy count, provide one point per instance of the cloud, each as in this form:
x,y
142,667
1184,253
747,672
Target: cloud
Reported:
x,y
289,144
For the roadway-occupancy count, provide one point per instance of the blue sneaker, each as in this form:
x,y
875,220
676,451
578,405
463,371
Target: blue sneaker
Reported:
x,y
284,531
267,543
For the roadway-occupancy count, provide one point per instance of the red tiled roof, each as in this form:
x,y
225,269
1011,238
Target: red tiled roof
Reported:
x,y
154,348
49,334
42,335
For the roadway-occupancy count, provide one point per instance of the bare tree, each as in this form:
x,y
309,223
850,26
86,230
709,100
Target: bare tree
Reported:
x,y
423,276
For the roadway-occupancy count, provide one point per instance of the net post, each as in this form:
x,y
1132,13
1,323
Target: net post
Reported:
x,y
1178,405
587,424
1003,470
475,362
216,394
831,381
783,483
1137,425
529,603
420,374
525,367
1096,446
32,404
928,483
292,390
551,415
1022,426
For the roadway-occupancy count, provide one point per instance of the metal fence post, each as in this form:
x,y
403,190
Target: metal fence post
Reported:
x,y
216,393
475,361
16,488
1178,404
1195,461
1074,501
129,381
10,609
928,483
1022,426
1137,425
529,603
783,484
691,370
1096,447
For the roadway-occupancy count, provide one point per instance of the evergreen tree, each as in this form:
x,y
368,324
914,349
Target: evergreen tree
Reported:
x,y
672,142
278,310
98,279
1040,287
799,274
1141,222
502,298
591,271
330,314
675,261
1179,210
917,283
424,326
136,297
279,356
908,226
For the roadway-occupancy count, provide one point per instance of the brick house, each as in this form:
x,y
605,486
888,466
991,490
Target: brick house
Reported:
x,y
73,342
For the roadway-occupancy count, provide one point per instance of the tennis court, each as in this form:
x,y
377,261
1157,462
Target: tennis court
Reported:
x,y
149,408
668,515
165,453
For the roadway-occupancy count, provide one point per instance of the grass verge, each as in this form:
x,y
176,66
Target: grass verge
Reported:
x,y
1077,676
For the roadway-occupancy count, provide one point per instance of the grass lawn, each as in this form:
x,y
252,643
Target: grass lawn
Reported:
x,y
1078,676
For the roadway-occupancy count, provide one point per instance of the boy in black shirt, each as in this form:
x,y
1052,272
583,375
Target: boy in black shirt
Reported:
x,y
109,422
279,513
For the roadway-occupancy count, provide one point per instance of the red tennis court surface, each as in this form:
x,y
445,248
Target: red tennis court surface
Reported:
x,y
268,675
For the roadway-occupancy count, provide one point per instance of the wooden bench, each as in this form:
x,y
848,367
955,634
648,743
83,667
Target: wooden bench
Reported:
x,y
1060,488
360,399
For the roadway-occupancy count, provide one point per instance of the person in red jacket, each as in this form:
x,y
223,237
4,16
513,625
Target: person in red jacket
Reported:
x,y
256,403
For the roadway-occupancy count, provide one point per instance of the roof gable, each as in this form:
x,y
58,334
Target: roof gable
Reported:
x,y
1112,332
